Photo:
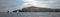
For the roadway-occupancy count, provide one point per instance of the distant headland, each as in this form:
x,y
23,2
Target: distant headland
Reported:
x,y
37,9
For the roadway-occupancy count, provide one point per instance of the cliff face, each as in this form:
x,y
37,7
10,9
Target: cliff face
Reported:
x,y
36,9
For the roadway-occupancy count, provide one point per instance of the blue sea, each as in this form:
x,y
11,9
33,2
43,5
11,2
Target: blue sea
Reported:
x,y
29,14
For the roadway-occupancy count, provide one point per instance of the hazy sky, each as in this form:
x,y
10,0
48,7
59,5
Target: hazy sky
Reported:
x,y
6,5
10,5
42,3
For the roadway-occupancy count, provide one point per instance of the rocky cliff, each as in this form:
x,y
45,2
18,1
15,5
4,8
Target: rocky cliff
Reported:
x,y
38,9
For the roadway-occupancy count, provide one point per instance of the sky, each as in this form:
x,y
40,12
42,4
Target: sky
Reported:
x,y
10,5
42,3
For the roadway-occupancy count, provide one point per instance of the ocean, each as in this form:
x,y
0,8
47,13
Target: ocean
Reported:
x,y
30,14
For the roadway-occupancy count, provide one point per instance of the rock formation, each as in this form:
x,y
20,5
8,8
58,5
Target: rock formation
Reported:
x,y
38,9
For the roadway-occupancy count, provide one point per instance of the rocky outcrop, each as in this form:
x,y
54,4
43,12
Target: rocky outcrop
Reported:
x,y
17,11
37,9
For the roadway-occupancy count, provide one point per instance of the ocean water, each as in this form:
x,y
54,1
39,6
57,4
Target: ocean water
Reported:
x,y
30,14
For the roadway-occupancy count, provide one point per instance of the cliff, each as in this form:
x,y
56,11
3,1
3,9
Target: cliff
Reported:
x,y
38,9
